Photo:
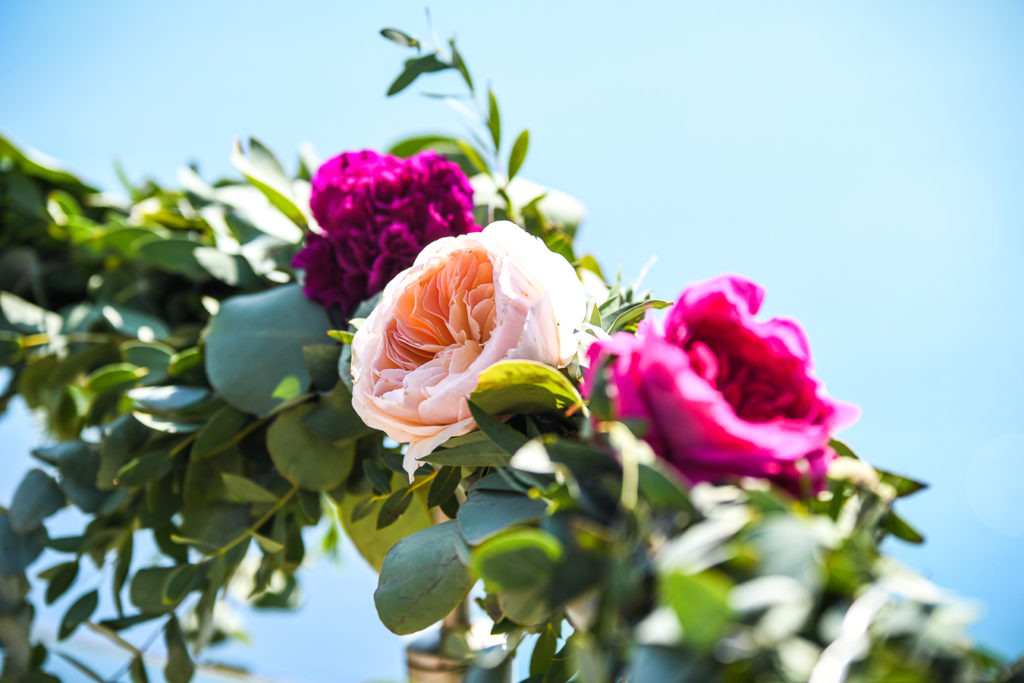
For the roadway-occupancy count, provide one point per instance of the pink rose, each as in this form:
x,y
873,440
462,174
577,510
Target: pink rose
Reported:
x,y
465,304
724,395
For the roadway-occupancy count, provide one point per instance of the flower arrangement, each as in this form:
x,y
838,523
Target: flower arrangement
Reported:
x,y
418,358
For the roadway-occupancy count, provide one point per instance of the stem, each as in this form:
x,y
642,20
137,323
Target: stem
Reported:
x,y
259,522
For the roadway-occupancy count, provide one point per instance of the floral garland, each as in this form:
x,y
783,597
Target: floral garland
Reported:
x,y
420,360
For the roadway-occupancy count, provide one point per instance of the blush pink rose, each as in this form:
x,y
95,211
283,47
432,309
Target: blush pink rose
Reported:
x,y
724,395
465,304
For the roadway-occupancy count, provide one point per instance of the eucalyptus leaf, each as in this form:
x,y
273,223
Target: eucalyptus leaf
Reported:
x,y
37,497
255,342
421,580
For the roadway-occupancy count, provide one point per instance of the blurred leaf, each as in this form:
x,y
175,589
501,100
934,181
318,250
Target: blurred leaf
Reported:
x,y
493,118
264,171
179,667
244,490
474,157
421,580
399,37
413,69
255,342
518,154
517,560
333,417
18,551
898,527
322,363
304,458
701,602
152,464
221,429
79,611
904,486
36,498
167,399
59,578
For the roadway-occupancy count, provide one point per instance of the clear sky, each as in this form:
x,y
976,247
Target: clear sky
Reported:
x,y
863,161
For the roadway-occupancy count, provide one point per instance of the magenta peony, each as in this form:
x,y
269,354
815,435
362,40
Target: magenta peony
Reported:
x,y
722,394
374,214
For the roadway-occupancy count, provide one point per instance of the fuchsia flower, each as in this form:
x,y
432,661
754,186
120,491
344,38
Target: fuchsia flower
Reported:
x,y
374,213
724,395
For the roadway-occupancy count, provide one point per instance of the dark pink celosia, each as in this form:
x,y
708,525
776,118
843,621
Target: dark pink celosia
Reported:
x,y
724,395
374,213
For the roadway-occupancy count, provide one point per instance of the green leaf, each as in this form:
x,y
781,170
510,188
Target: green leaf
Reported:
x,y
518,154
904,486
503,436
179,667
421,580
231,269
701,602
27,317
36,498
344,336
898,527
322,363
179,582
59,579
255,342
393,507
628,319
111,377
121,439
474,157
471,450
409,146
154,357
167,399
487,513
304,458
138,670
333,417
517,560
213,526
460,64
147,589
493,118
220,430
262,169
399,37
151,465
372,543
414,68
543,651
180,362
524,386
79,611
244,490
444,485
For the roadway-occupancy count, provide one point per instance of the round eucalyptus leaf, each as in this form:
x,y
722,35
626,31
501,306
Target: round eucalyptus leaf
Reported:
x,y
304,458
254,347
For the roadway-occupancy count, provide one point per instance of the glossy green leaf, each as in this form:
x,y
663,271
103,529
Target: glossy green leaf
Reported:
x,y
524,386
167,399
444,485
264,171
517,560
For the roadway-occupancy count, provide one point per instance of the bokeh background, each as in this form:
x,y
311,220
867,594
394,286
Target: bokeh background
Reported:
x,y
863,161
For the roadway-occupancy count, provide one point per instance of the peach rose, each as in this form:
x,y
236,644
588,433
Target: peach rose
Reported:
x,y
465,304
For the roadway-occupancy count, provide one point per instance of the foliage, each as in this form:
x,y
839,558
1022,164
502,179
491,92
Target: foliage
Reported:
x,y
194,397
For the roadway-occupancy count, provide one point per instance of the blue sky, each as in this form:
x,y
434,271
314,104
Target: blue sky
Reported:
x,y
864,162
